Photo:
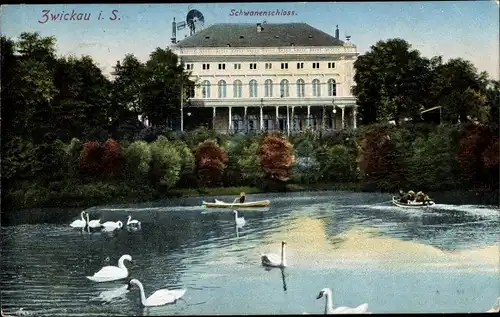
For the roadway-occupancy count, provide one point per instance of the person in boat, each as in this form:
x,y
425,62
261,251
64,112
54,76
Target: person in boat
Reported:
x,y
427,199
240,199
420,197
403,197
411,195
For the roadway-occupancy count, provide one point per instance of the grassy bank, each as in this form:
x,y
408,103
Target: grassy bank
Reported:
x,y
68,195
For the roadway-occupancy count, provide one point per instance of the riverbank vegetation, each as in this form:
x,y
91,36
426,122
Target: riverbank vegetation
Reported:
x,y
71,135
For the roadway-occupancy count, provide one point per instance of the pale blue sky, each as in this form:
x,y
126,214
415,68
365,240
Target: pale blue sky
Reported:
x,y
467,29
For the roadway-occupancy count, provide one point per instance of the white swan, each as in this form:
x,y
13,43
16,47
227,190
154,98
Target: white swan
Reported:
x,y
111,225
496,307
96,223
240,221
274,260
112,273
79,223
133,222
327,293
160,297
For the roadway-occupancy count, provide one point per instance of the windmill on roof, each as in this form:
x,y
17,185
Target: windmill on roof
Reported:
x,y
195,21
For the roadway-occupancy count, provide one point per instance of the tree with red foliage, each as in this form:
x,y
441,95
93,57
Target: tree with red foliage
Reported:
x,y
112,160
91,158
211,161
379,159
276,157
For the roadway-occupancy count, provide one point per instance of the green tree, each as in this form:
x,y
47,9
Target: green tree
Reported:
x,y
165,165
161,93
137,160
390,81
337,164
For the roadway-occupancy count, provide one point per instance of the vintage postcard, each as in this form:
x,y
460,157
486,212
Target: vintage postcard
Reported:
x,y
250,158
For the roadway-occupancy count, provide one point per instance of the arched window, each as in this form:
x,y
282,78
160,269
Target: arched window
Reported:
x,y
190,91
253,88
268,88
252,122
237,89
237,123
284,88
332,87
268,122
300,88
205,90
316,88
222,89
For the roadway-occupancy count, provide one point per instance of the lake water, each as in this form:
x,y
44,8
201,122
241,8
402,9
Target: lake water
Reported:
x,y
398,261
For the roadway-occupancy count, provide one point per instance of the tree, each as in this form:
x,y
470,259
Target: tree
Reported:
x,y
390,81
137,159
165,165
276,157
91,158
211,161
164,78
337,164
112,159
460,91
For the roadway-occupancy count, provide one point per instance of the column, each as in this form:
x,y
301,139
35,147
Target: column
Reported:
x,y
230,121
287,121
213,118
261,125
293,118
354,118
308,117
277,122
343,108
245,121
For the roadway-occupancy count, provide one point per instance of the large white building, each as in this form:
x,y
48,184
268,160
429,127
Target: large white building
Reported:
x,y
270,77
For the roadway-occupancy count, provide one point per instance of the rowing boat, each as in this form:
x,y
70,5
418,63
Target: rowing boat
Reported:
x,y
412,204
250,204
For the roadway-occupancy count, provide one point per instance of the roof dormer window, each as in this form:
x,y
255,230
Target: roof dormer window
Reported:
x,y
241,36
207,37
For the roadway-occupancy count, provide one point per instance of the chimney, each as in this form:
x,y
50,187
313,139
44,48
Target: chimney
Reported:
x,y
259,27
337,35
173,39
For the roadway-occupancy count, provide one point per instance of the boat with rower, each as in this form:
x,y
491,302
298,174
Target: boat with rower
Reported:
x,y
412,204
249,204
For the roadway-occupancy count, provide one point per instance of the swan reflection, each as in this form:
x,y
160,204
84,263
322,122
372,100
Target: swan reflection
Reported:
x,y
283,275
118,292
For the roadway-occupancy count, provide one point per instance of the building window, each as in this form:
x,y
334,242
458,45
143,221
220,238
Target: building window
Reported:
x,y
222,66
269,65
222,89
237,66
300,88
205,90
253,88
237,123
332,87
284,88
316,88
300,65
315,65
206,66
268,122
189,66
268,87
284,65
252,122
253,66
237,89
331,65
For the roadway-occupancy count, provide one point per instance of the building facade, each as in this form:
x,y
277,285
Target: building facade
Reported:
x,y
270,77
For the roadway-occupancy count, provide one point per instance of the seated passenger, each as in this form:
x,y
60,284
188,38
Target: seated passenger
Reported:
x,y
403,197
411,195
427,199
420,197
240,199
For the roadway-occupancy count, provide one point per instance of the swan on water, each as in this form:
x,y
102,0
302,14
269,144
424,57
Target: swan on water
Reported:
x,y
132,222
112,273
96,223
496,307
111,225
327,293
240,221
274,260
79,223
160,297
